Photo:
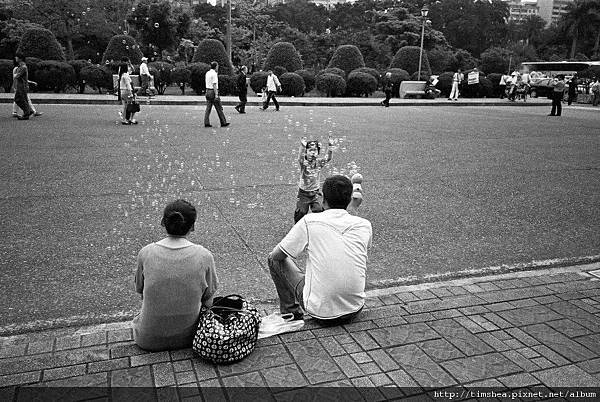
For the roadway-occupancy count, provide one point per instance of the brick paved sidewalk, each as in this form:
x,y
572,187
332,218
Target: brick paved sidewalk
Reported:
x,y
512,331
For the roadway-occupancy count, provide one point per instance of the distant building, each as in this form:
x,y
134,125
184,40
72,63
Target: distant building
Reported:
x,y
552,10
522,9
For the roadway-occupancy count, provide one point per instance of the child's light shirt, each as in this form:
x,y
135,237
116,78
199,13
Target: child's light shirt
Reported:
x,y
311,174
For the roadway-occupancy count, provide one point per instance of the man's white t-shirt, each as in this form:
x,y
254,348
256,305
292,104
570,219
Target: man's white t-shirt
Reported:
x,y
336,268
211,78
144,69
272,83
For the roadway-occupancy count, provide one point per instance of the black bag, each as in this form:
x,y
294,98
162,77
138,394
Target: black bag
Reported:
x,y
227,332
133,106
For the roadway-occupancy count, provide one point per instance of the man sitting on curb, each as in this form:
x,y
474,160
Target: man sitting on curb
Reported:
x,y
333,288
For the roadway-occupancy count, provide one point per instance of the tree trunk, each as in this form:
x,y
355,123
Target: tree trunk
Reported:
x,y
574,45
70,54
595,53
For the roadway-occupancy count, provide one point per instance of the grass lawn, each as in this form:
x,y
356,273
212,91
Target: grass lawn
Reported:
x,y
446,189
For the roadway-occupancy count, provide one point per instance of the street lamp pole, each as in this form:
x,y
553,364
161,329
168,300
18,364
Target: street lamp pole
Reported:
x,y
424,12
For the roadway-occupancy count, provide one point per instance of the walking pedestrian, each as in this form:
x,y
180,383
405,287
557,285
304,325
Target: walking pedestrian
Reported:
x,y
242,87
273,85
557,95
212,95
387,88
145,76
126,94
457,79
31,106
572,91
596,92
21,83
504,80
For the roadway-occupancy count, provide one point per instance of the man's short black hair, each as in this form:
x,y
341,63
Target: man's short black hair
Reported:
x,y
21,56
337,191
213,64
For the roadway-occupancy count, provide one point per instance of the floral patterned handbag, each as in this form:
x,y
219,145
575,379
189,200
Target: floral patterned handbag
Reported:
x,y
227,332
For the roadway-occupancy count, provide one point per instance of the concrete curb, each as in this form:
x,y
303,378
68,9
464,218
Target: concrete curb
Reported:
x,y
374,289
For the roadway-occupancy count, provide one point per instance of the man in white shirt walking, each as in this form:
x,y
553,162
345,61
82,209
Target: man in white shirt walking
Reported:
x,y
332,289
456,80
145,76
273,85
212,96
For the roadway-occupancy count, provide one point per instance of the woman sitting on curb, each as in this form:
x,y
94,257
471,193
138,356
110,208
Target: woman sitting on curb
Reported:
x,y
175,278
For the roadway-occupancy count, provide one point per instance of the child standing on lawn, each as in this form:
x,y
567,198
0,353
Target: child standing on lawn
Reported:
x,y
309,191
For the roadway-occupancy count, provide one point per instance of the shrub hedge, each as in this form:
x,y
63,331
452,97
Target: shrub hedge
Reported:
x,y
407,58
398,75
6,80
283,54
360,83
40,43
258,81
444,83
77,66
97,77
375,73
121,46
292,84
197,77
494,79
279,71
347,58
181,75
333,70
210,50
331,84
483,89
52,75
227,85
309,79
162,75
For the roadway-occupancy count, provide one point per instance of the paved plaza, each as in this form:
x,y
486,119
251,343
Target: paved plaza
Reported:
x,y
455,194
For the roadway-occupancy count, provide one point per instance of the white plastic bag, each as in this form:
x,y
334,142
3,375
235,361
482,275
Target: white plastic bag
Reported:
x,y
276,323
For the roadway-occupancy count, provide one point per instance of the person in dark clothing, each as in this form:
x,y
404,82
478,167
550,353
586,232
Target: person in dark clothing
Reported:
x,y
557,95
572,90
242,88
387,88
21,82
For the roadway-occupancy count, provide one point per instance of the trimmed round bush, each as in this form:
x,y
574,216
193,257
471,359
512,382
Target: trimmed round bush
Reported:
x,y
181,76
121,46
483,89
258,81
52,75
331,84
359,84
398,75
347,58
283,54
77,66
279,71
375,73
227,85
210,50
6,79
415,76
292,84
97,77
333,70
407,58
309,79
444,83
162,76
197,77
40,43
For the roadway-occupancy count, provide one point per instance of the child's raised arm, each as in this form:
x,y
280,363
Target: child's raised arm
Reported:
x,y
329,150
302,150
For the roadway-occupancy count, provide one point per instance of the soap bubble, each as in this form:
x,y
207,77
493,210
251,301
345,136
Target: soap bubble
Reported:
x,y
156,25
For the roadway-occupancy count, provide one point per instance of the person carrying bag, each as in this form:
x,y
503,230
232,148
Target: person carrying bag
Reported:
x,y
227,331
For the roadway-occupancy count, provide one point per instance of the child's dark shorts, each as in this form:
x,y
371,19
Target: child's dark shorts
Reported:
x,y
306,200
